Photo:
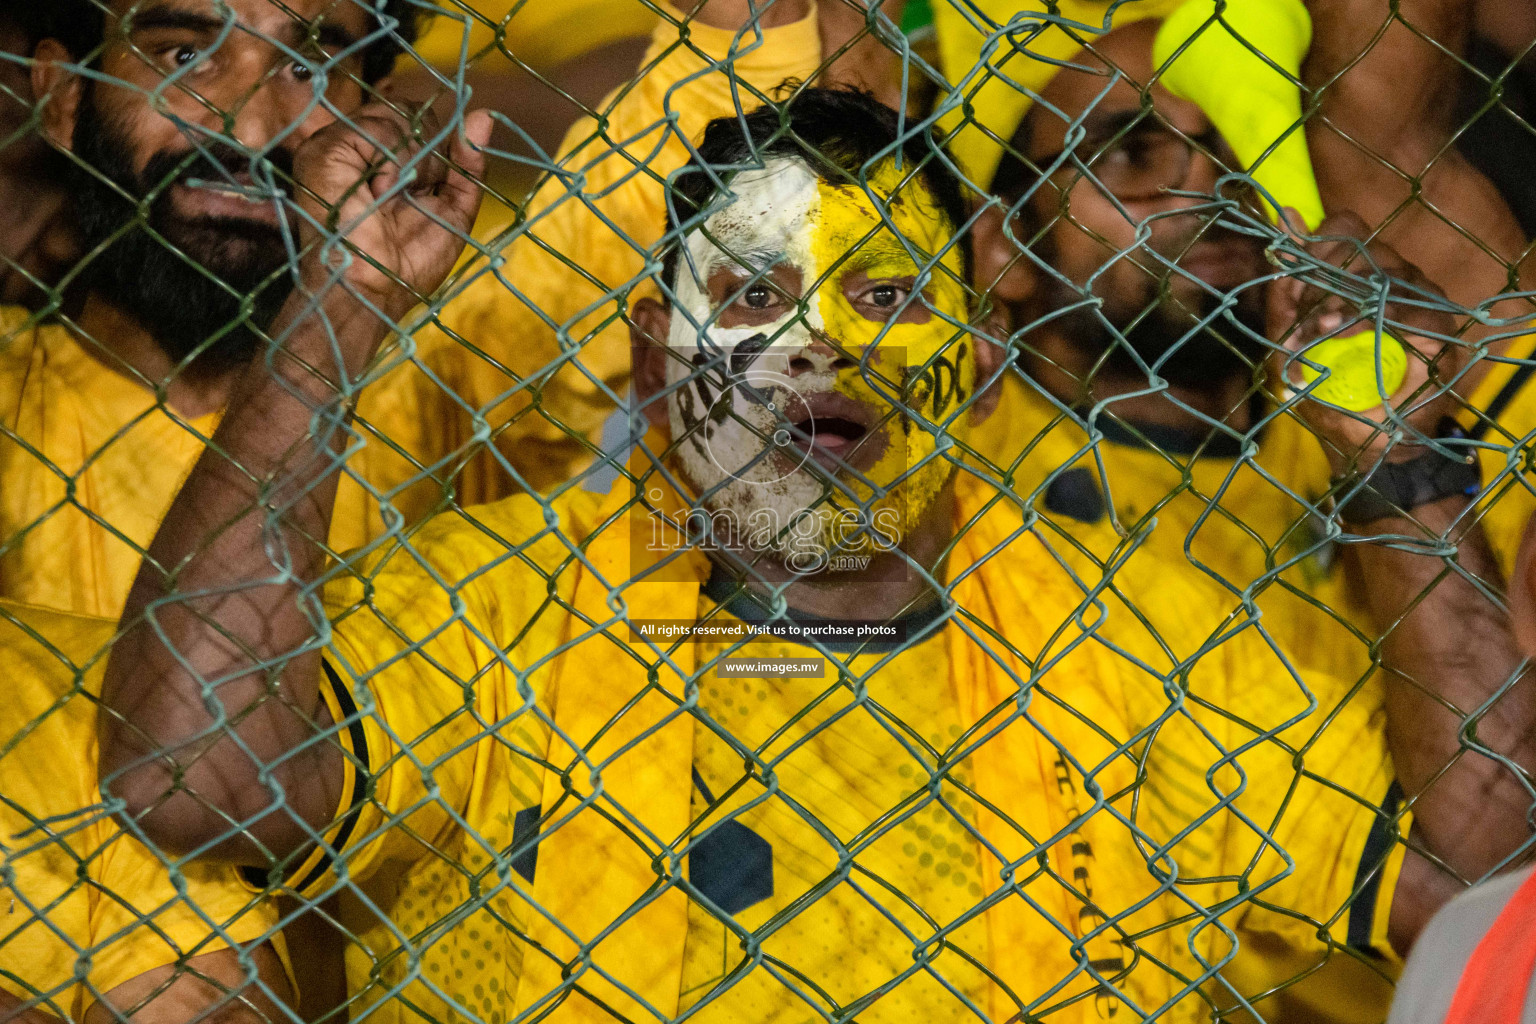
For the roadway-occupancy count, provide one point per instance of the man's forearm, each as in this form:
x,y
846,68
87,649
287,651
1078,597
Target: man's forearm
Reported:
x,y
221,679
1382,143
13,1010
1451,655
210,700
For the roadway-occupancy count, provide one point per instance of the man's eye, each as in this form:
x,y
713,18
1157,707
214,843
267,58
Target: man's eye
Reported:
x,y
758,296
886,296
300,71
181,56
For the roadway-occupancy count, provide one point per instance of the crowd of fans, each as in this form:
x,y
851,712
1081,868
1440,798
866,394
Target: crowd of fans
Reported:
x,y
339,483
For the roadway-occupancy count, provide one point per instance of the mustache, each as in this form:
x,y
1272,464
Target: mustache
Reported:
x,y
215,162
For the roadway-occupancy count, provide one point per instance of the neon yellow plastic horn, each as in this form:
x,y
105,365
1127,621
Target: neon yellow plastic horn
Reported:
x,y
1257,108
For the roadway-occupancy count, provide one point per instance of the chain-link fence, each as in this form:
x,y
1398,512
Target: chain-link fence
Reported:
x,y
903,511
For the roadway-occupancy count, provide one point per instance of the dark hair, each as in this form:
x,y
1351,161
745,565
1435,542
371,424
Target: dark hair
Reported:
x,y
80,24
32,18
837,132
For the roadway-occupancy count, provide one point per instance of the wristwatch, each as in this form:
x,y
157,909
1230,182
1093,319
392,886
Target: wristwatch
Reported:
x,y
1395,488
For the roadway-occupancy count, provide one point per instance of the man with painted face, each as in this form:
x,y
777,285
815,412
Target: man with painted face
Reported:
x,y
548,723
83,408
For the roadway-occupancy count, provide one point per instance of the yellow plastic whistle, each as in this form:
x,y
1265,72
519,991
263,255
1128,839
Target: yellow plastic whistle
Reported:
x,y
1256,105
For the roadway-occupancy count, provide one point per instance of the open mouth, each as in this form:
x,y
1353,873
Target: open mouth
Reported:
x,y
240,186
837,432
239,198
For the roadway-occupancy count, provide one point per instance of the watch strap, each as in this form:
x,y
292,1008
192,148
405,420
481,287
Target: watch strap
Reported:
x,y
1395,488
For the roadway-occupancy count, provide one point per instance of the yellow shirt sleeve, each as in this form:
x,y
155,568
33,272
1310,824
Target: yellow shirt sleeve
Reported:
x,y
1257,776
1279,785
1501,414
535,345
437,681
76,886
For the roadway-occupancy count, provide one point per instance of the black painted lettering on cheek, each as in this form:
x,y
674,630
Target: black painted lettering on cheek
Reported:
x,y
940,382
745,354
689,415
944,378
694,423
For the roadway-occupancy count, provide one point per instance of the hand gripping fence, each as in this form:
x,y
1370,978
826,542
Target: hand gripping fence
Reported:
x,y
862,523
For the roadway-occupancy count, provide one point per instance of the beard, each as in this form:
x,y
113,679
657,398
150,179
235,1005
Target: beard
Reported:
x,y
202,286
768,500
1187,342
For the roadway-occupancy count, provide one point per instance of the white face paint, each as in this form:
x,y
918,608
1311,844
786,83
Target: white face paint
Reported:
x,y
727,454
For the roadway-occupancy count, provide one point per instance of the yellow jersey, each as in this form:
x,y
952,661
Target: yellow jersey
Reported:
x,y
84,906
1500,416
1245,512
1046,804
92,461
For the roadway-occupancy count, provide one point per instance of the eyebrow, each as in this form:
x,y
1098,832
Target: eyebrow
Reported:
x,y
755,260
335,36
882,249
163,17
1100,128
330,34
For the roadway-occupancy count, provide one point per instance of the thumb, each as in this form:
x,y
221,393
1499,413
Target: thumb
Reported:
x,y
461,189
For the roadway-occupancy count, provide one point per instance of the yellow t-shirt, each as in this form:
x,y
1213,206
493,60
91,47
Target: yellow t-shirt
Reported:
x,y
91,463
83,903
473,653
830,768
1241,512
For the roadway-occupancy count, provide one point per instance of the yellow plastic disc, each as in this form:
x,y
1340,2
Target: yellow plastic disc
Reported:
x,y
1351,363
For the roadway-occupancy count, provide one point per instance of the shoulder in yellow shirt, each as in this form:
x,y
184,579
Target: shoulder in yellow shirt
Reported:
x,y
542,33
91,462
84,906
1241,513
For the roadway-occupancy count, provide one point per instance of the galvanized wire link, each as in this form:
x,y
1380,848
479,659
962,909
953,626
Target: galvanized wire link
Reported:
x,y
1125,756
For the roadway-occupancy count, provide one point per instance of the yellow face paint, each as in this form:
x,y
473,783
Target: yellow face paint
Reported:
x,y
923,372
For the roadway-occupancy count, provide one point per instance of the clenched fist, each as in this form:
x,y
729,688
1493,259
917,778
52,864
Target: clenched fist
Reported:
x,y
385,218
1301,311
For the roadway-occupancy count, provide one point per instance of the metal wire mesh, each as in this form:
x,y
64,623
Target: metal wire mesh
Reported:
x,y
973,398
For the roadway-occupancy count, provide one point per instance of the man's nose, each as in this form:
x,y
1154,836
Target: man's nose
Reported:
x,y
820,357
1204,170
277,109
